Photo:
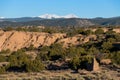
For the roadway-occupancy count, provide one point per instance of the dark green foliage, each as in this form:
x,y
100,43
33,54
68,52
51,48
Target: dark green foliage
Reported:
x,y
50,30
34,29
21,29
80,31
17,61
43,53
2,58
99,31
117,37
5,51
93,50
30,29
78,62
2,70
116,57
77,30
110,32
34,66
111,40
87,32
30,48
53,52
72,31
70,34
106,46
75,51
43,56
8,28
75,63
56,52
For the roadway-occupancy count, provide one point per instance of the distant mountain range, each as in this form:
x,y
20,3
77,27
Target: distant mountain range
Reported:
x,y
54,16
55,20
41,17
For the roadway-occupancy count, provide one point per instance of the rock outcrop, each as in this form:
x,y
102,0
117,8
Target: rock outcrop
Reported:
x,y
117,30
106,61
94,66
15,40
76,40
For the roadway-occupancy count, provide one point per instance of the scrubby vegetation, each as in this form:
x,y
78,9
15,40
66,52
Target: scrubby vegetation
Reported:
x,y
105,47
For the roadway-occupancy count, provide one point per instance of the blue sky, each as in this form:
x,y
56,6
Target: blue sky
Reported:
x,y
81,8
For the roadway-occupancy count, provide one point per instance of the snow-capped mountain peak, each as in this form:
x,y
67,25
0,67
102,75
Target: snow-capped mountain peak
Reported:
x,y
1,17
70,16
51,16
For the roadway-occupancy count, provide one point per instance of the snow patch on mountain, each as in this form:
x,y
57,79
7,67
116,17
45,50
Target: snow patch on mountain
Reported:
x,y
2,17
52,16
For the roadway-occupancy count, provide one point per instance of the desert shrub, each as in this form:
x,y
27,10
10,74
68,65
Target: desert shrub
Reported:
x,y
111,40
2,70
17,61
43,56
80,31
86,58
33,29
20,29
109,32
80,62
30,48
30,29
56,52
8,28
5,51
71,33
2,58
34,66
43,53
18,58
87,32
53,52
106,46
99,31
93,50
75,63
43,48
116,57
117,37
75,51
50,30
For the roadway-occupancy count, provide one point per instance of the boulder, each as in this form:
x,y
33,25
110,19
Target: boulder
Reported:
x,y
106,61
94,66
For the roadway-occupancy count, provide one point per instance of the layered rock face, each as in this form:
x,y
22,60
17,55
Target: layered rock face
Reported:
x,y
15,40
77,40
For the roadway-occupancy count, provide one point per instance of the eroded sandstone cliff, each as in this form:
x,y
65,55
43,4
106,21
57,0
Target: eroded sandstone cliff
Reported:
x,y
15,40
